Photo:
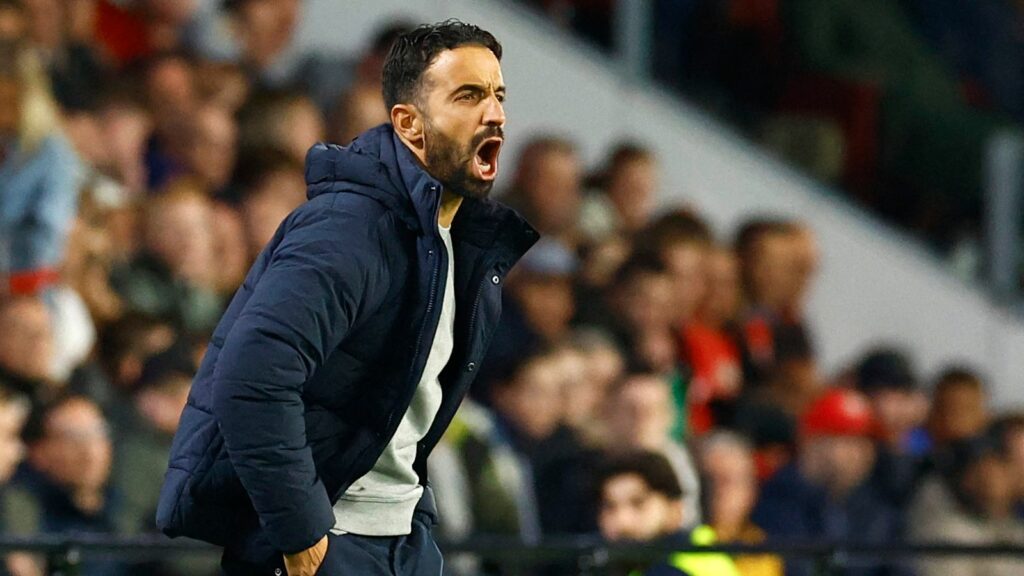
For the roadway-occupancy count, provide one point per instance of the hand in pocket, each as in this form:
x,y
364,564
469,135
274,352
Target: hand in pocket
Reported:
x,y
307,562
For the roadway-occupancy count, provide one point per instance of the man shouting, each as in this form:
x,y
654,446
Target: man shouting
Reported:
x,y
346,352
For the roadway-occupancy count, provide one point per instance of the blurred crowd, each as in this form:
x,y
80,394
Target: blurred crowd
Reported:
x,y
896,101
651,379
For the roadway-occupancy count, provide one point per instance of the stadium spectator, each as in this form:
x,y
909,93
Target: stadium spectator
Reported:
x,y
640,500
585,398
887,377
681,241
826,492
537,307
1009,431
890,383
361,106
64,486
269,185
764,248
39,170
143,431
639,314
772,431
264,30
711,347
91,253
26,347
778,259
174,276
484,487
168,85
730,492
530,418
61,34
211,146
980,511
223,85
260,43
640,415
622,200
287,121
959,407
358,109
232,249
126,345
547,188
795,380
125,127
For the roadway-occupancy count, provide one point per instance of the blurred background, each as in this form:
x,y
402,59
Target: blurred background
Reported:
x,y
778,293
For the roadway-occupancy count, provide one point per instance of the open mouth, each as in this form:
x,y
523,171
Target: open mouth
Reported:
x,y
486,159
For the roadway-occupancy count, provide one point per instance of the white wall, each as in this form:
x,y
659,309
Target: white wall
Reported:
x,y
875,284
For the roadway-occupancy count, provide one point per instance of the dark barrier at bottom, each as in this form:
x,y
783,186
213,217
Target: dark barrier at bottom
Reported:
x,y
589,556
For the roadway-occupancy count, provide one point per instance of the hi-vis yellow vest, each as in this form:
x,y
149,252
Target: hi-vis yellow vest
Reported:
x,y
701,564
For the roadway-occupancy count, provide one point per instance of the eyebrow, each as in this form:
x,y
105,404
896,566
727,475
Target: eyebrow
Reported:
x,y
478,88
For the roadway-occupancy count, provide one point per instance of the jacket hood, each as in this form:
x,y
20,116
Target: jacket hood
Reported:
x,y
376,164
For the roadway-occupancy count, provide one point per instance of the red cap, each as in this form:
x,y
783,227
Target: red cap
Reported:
x,y
839,412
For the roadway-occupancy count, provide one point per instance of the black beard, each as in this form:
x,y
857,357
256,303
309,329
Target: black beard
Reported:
x,y
453,166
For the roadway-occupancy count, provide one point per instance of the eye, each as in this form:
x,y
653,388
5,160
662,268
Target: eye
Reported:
x,y
466,97
501,98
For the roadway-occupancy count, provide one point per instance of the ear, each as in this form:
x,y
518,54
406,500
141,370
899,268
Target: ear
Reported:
x,y
407,121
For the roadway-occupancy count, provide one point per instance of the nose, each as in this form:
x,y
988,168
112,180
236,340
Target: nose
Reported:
x,y
494,113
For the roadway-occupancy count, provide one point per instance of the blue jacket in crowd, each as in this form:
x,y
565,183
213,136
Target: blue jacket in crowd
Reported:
x,y
793,509
316,359
38,200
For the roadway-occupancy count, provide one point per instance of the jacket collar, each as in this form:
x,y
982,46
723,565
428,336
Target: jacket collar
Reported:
x,y
378,164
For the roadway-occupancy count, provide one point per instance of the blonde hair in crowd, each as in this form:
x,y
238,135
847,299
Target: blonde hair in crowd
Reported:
x,y
39,112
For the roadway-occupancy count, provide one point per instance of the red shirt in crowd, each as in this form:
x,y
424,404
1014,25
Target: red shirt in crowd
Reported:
x,y
714,359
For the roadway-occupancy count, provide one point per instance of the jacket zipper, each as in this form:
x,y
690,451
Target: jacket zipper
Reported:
x,y
434,274
433,435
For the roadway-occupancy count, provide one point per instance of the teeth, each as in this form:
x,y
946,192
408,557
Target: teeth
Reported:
x,y
485,165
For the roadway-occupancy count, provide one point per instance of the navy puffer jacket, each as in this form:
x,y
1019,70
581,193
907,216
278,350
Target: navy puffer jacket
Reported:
x,y
315,362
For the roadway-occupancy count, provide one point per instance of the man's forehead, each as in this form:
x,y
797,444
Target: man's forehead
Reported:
x,y
466,65
628,482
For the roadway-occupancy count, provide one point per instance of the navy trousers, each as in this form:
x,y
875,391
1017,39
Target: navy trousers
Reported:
x,y
415,554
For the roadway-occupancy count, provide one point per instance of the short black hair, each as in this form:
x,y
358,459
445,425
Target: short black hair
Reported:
x,y
256,164
954,376
36,427
752,230
621,155
640,263
652,467
413,52
167,367
674,228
